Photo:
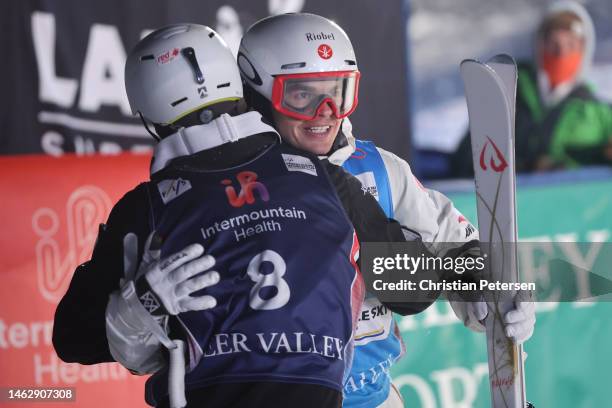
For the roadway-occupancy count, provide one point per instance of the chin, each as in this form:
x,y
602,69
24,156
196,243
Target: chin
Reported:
x,y
319,148
320,151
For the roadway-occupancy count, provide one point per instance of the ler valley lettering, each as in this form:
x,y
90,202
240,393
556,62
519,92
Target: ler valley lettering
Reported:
x,y
276,343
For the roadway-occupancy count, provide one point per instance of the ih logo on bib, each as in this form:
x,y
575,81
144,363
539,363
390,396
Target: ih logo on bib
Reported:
x,y
248,184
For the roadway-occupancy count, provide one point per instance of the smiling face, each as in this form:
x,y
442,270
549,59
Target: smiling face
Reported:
x,y
315,135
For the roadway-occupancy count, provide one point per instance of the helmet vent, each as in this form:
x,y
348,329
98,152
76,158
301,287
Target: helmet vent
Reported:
x,y
350,62
178,101
248,70
225,85
211,35
172,31
293,65
147,57
189,53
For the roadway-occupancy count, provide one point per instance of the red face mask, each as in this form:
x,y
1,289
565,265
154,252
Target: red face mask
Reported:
x,y
560,69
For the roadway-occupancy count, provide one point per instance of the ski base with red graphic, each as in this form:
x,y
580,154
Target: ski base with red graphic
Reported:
x,y
490,90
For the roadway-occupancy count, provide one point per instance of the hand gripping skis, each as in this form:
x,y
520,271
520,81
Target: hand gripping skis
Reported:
x,y
490,90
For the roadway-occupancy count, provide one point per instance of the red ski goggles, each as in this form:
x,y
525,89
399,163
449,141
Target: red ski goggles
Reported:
x,y
302,96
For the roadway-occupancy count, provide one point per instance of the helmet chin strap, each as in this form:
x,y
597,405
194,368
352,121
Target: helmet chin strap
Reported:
x,y
146,125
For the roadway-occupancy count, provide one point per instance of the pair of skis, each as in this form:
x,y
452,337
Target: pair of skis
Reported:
x,y
490,90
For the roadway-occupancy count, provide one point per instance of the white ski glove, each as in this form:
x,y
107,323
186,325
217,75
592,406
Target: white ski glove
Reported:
x,y
133,334
472,314
165,286
519,321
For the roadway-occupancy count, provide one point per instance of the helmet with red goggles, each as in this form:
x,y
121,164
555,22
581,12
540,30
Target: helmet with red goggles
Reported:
x,y
303,96
301,63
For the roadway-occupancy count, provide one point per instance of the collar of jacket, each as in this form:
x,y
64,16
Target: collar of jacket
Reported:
x,y
194,139
342,154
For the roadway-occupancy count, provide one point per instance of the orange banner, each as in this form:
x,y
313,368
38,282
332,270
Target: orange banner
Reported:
x,y
50,210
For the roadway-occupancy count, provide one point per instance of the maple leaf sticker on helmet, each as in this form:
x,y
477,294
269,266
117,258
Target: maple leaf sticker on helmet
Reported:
x,y
325,51
167,56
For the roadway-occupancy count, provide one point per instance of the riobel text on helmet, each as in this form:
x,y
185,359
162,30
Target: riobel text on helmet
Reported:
x,y
319,36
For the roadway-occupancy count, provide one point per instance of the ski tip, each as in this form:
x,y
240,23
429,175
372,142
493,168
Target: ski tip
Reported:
x,y
473,65
502,59
469,61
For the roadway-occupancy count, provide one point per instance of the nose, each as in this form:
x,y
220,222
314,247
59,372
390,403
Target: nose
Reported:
x,y
325,110
568,48
561,48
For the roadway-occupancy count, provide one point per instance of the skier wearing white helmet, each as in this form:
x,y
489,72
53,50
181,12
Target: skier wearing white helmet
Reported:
x,y
272,325
300,72
294,65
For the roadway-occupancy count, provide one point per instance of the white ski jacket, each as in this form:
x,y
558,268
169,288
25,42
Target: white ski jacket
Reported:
x,y
426,212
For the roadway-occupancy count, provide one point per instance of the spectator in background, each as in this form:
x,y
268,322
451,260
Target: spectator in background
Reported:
x,y
559,121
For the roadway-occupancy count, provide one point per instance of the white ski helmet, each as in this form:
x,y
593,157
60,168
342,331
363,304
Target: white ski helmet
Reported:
x,y
291,44
179,69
